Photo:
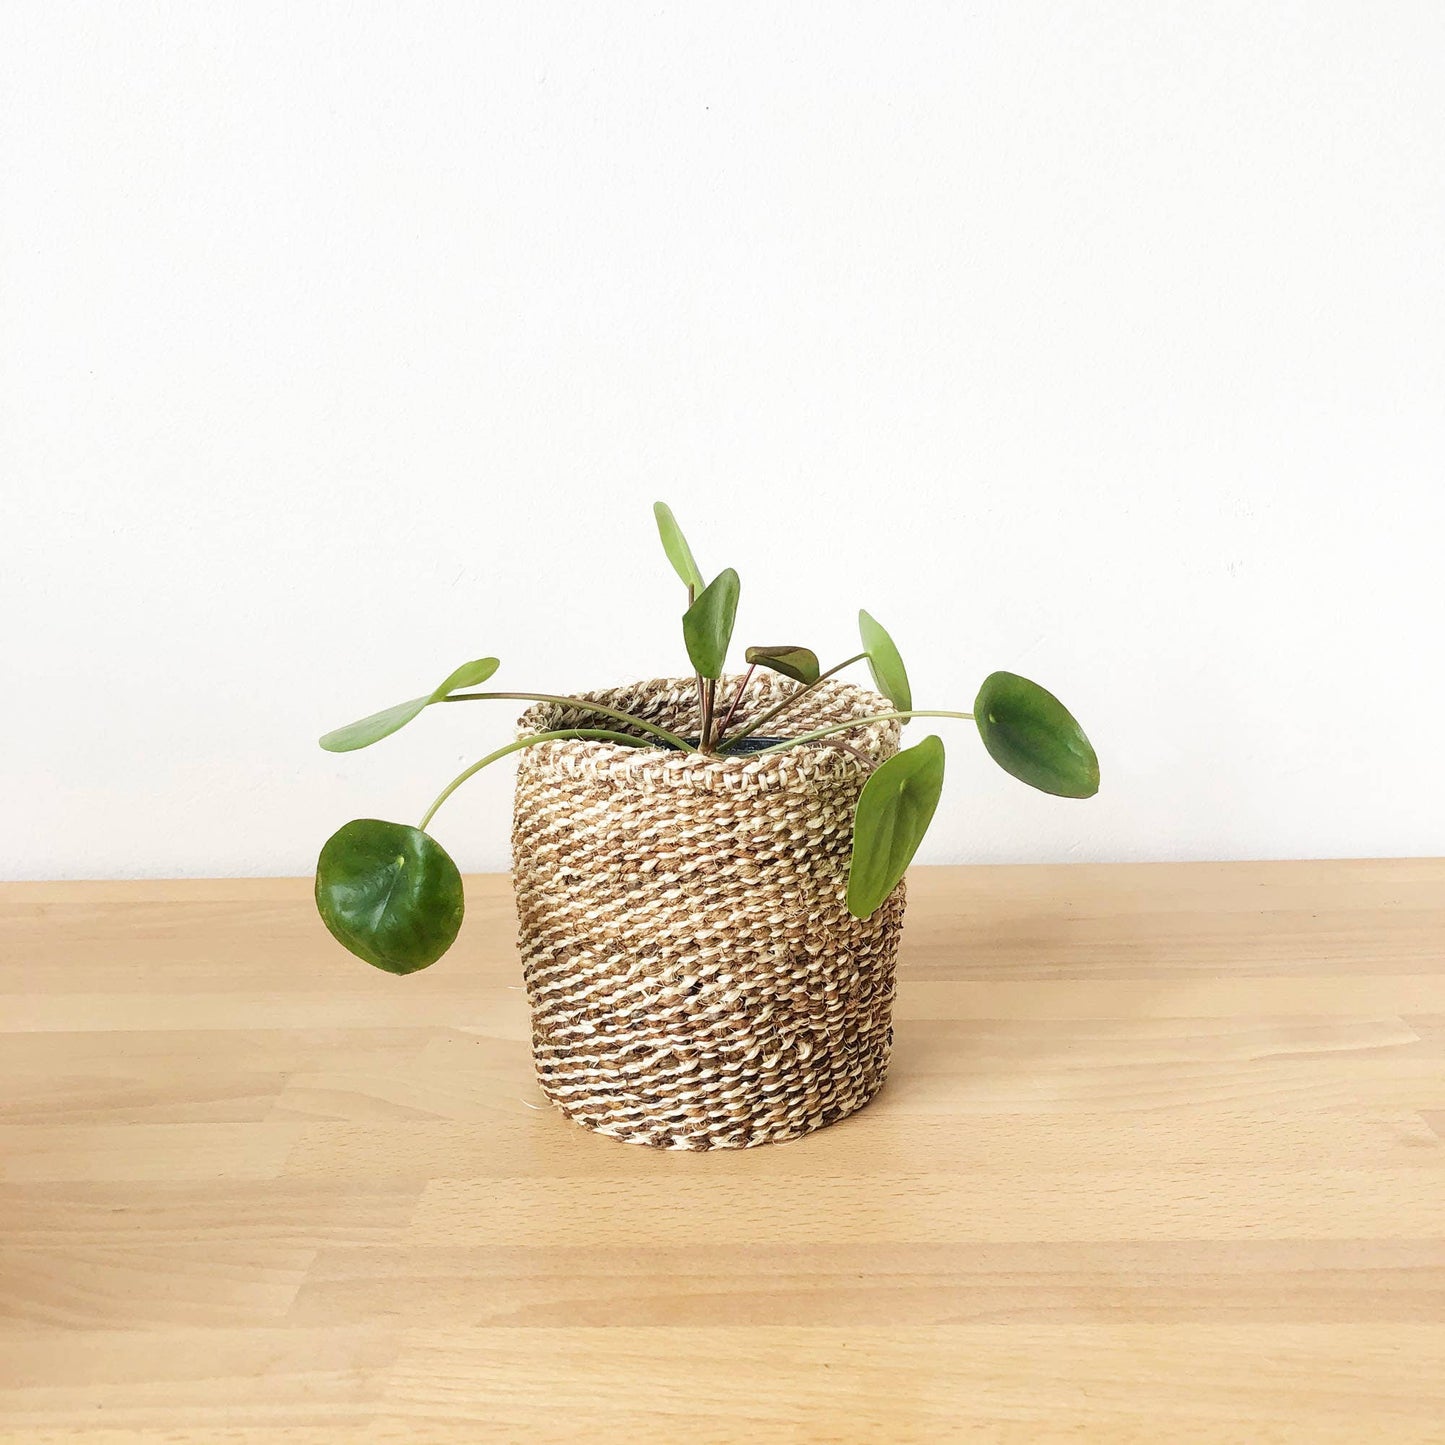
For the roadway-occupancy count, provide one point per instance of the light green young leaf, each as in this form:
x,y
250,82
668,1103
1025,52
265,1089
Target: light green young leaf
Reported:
x,y
675,545
889,674
893,813
368,730
707,626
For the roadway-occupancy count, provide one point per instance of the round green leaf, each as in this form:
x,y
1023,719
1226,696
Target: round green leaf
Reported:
x,y
796,662
893,813
368,730
389,893
675,545
1028,732
889,674
707,626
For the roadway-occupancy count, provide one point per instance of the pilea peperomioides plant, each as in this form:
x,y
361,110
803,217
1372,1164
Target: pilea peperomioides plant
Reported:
x,y
391,894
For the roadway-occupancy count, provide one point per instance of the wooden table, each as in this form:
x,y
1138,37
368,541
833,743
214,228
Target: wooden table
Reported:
x,y
1160,1160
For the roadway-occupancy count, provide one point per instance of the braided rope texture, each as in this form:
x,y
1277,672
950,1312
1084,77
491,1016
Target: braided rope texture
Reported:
x,y
695,978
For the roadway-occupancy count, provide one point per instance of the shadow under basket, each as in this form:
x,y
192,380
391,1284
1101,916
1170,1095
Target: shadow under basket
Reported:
x,y
695,978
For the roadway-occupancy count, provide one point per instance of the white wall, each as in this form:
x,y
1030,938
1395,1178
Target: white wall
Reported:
x,y
341,343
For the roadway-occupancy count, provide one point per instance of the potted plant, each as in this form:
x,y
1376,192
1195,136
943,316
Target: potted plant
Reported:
x,y
708,872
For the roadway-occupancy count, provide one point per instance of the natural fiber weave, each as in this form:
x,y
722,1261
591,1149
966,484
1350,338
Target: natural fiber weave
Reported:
x,y
696,980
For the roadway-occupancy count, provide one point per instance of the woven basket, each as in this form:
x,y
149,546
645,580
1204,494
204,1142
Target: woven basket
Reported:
x,y
696,981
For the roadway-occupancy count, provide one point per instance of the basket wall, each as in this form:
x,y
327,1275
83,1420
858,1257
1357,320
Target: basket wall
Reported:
x,y
695,979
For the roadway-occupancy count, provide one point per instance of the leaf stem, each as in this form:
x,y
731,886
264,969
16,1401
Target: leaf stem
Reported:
x,y
737,698
791,698
595,734
582,705
709,715
856,722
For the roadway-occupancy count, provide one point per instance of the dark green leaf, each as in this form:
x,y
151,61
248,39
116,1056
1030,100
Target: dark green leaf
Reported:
x,y
1031,734
796,662
707,626
675,545
389,893
368,730
885,664
893,813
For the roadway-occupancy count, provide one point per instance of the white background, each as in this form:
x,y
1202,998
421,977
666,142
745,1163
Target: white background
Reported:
x,y
342,343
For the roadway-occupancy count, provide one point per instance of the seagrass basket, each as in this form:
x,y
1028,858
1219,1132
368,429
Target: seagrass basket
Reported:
x,y
695,979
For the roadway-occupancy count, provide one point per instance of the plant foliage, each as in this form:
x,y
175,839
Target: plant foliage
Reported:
x,y
391,894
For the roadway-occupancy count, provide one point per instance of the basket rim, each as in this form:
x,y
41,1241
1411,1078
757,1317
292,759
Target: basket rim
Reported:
x,y
810,766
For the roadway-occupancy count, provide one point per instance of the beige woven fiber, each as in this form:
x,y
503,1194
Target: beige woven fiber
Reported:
x,y
696,981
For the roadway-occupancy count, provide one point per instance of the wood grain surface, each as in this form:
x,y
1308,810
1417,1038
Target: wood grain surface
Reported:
x,y
1160,1159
